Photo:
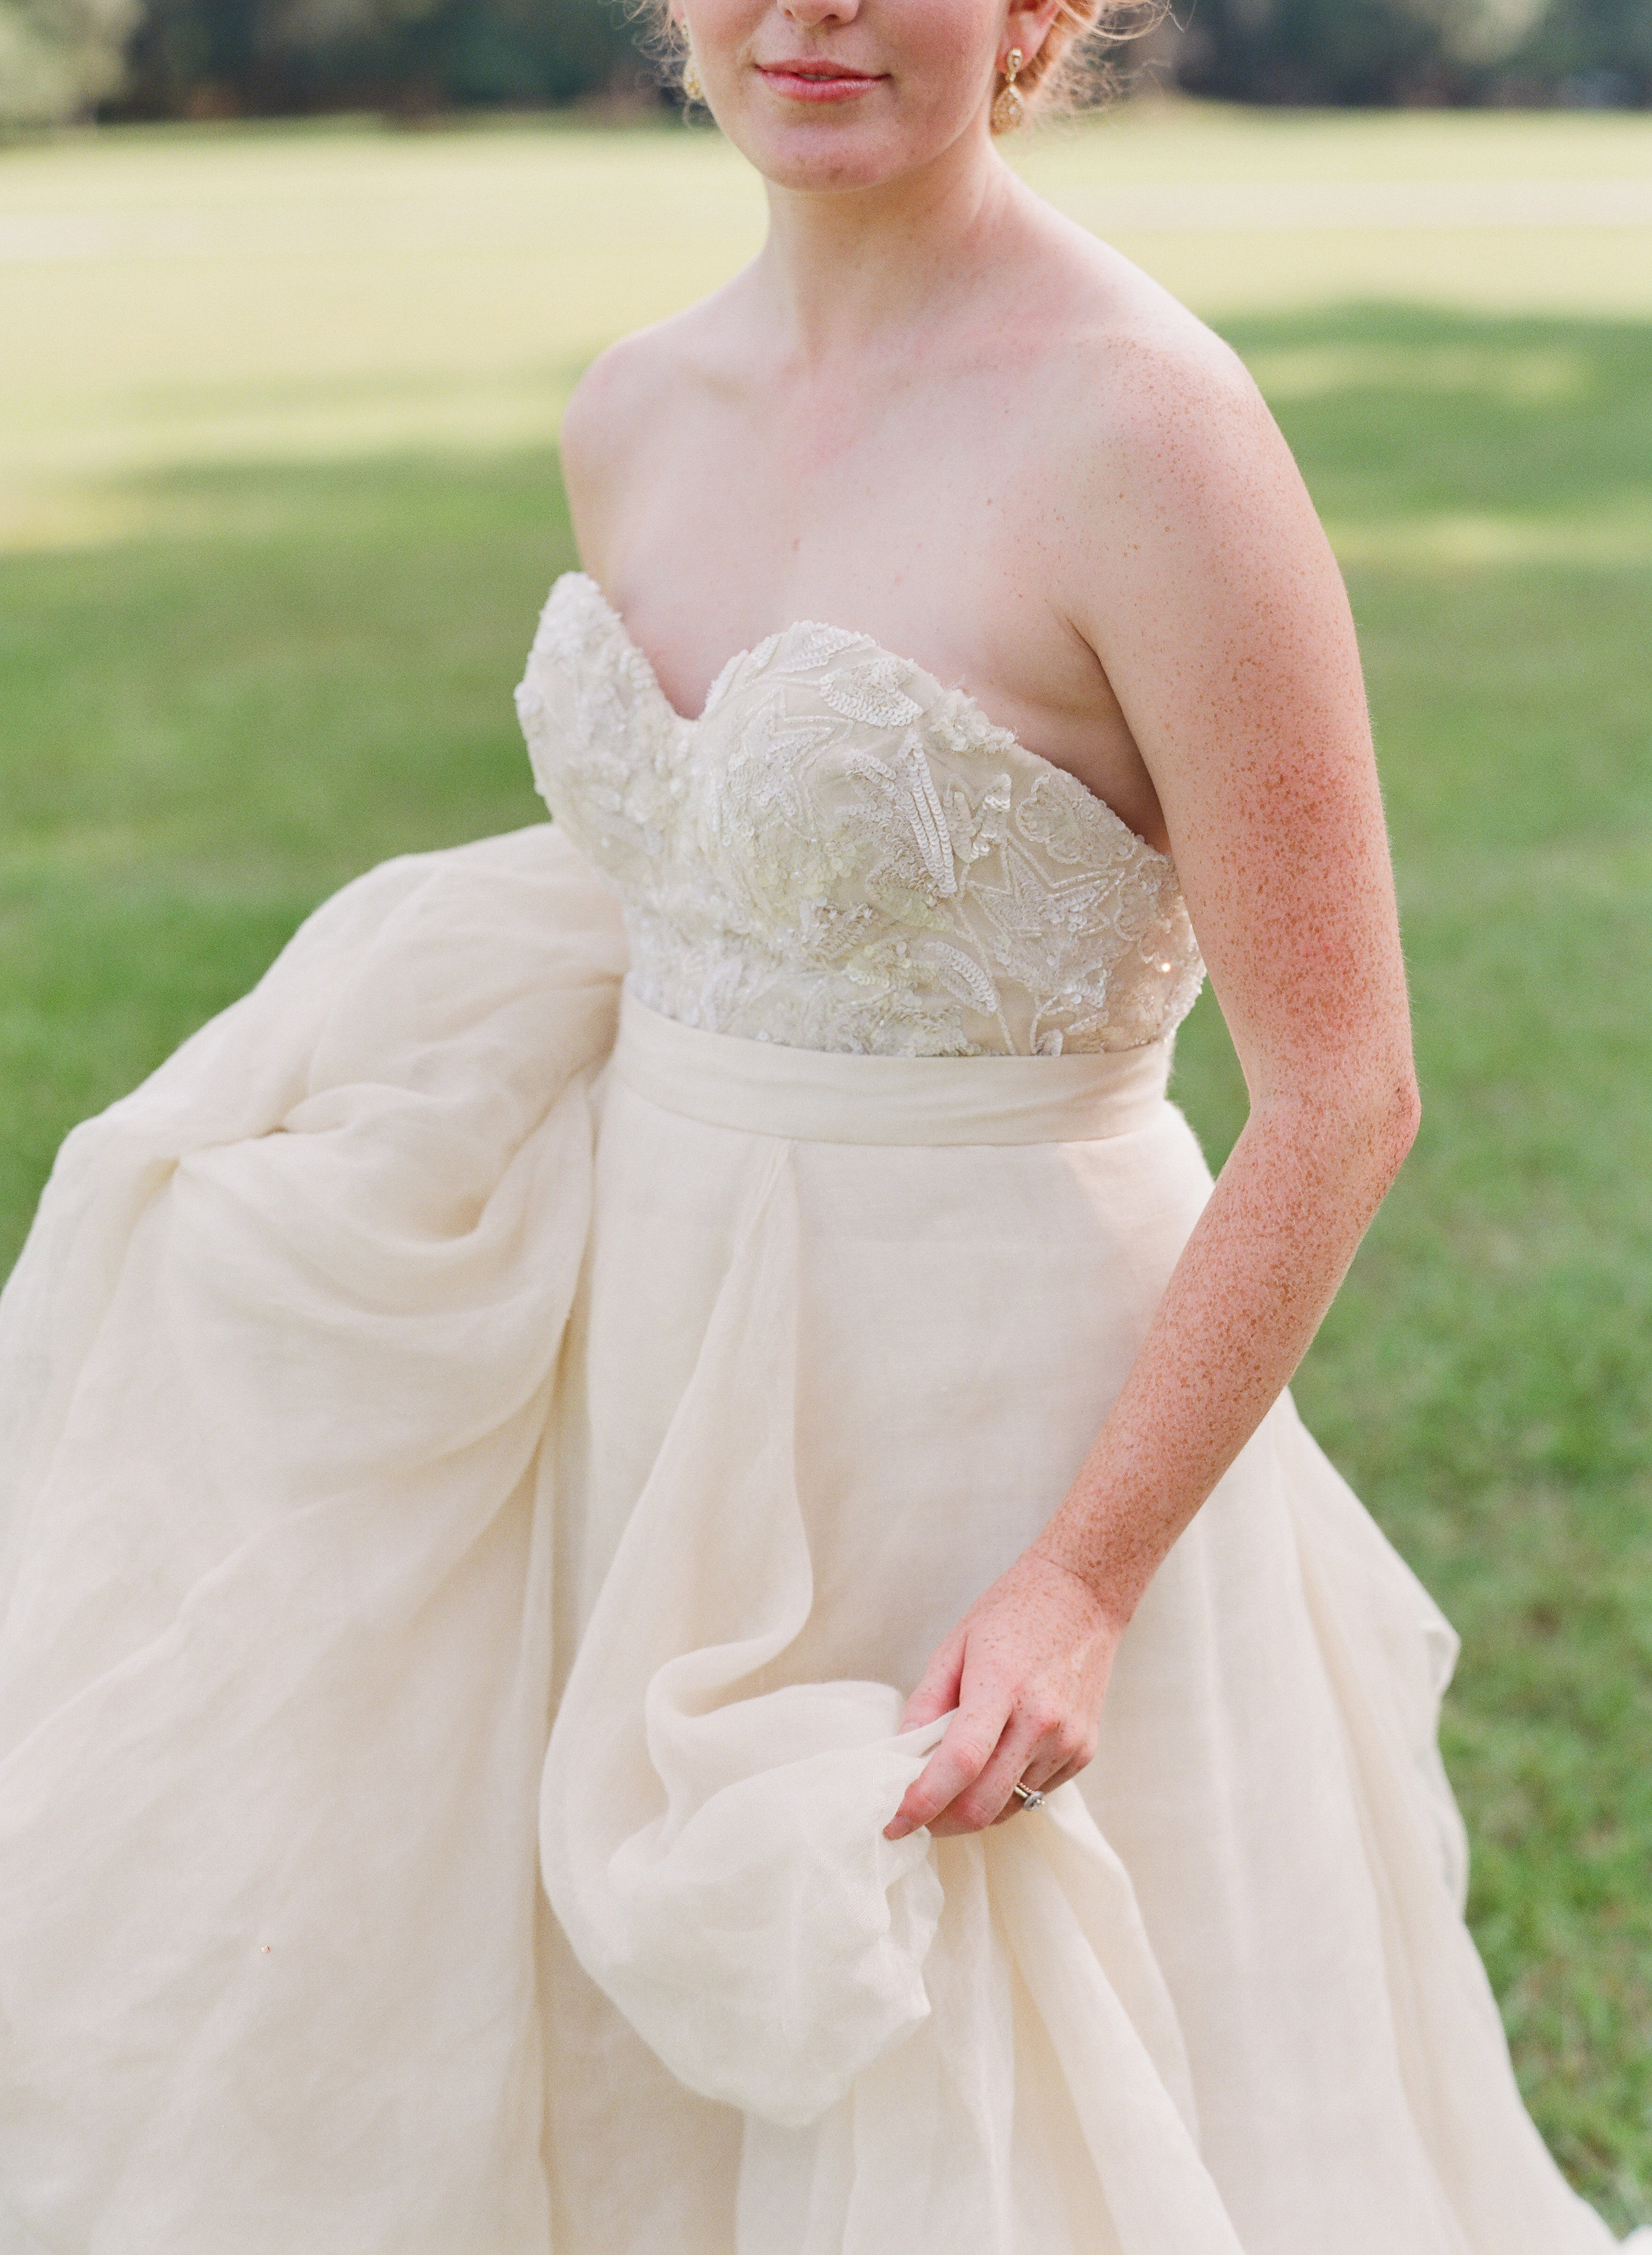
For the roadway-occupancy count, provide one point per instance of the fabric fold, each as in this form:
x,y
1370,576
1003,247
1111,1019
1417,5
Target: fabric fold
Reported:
x,y
274,1666
713,1848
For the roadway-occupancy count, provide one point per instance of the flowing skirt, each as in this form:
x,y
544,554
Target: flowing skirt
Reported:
x,y
480,1466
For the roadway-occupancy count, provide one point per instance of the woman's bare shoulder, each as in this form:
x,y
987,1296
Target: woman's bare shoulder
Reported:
x,y
621,390
1161,435
626,407
1137,364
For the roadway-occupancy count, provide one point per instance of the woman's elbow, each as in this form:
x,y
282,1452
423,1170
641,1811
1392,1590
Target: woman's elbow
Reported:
x,y
1394,1116
1408,1117
1364,1124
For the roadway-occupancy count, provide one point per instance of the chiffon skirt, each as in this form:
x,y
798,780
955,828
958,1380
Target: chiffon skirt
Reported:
x,y
483,1465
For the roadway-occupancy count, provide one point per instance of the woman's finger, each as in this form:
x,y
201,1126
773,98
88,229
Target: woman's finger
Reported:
x,y
969,1745
1015,1760
1052,1764
937,1694
1040,1775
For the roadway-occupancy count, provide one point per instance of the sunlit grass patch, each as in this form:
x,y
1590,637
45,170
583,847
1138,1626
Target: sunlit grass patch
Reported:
x,y
326,291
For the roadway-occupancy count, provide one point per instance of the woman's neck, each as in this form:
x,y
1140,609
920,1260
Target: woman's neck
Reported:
x,y
842,269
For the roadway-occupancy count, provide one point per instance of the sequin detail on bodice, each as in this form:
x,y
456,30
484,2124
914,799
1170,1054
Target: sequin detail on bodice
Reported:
x,y
838,853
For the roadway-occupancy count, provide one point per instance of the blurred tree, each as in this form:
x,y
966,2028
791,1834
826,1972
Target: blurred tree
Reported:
x,y
224,57
59,57
1389,50
228,57
1594,51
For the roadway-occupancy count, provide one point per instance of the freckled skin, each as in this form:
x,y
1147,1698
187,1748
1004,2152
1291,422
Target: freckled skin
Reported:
x,y
934,411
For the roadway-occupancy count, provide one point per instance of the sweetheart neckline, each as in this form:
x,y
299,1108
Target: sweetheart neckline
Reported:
x,y
651,682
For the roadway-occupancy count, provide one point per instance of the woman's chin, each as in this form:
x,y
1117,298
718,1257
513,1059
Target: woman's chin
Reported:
x,y
822,153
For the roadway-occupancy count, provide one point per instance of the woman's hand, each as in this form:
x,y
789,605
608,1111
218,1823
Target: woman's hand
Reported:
x,y
1026,1668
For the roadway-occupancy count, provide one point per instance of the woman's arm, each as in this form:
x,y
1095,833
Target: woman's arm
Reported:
x,y
1203,584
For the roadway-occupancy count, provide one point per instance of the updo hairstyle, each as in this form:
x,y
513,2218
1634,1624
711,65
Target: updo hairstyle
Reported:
x,y
1068,72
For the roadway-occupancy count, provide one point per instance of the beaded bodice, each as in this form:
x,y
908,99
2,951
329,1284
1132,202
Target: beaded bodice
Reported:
x,y
840,854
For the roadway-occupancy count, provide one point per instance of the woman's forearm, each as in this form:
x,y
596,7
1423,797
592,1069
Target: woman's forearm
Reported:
x,y
1241,1306
1027,1668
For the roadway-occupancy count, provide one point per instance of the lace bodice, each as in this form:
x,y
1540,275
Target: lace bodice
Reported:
x,y
838,853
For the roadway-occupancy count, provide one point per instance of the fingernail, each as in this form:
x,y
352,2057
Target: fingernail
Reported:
x,y
895,1829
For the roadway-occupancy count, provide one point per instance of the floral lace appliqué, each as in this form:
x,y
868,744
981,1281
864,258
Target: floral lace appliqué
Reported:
x,y
841,854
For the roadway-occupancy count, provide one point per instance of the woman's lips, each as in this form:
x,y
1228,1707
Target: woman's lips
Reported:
x,y
817,82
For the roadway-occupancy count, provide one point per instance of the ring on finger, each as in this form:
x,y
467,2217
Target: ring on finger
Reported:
x,y
1028,1795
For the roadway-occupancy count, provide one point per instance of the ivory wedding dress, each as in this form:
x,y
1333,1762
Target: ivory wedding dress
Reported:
x,y
446,1340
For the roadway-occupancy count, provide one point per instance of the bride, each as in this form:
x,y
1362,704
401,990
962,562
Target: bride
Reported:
x,y
660,1595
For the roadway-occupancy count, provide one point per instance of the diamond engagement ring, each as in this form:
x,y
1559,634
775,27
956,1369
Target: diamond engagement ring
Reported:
x,y
1029,1796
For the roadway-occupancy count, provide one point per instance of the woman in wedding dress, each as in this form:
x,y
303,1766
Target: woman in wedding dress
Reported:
x,y
659,1594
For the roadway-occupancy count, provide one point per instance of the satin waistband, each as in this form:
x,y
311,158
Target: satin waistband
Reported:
x,y
821,1096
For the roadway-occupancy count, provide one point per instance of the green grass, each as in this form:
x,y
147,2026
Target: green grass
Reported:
x,y
229,682
205,734
174,298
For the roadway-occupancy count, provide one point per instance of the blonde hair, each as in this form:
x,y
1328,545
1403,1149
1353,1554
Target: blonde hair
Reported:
x,y
1069,71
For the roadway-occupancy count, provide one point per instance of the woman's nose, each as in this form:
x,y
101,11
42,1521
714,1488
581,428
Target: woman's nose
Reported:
x,y
809,14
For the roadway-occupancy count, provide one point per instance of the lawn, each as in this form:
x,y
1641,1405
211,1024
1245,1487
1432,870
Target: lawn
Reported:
x,y
281,505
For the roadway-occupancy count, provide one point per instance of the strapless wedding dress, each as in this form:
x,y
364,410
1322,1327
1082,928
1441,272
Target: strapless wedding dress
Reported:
x,y
492,1430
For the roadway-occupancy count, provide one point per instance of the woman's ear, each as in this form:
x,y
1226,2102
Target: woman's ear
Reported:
x,y
1028,28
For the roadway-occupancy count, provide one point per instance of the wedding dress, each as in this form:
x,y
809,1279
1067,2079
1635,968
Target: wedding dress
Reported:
x,y
448,1340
